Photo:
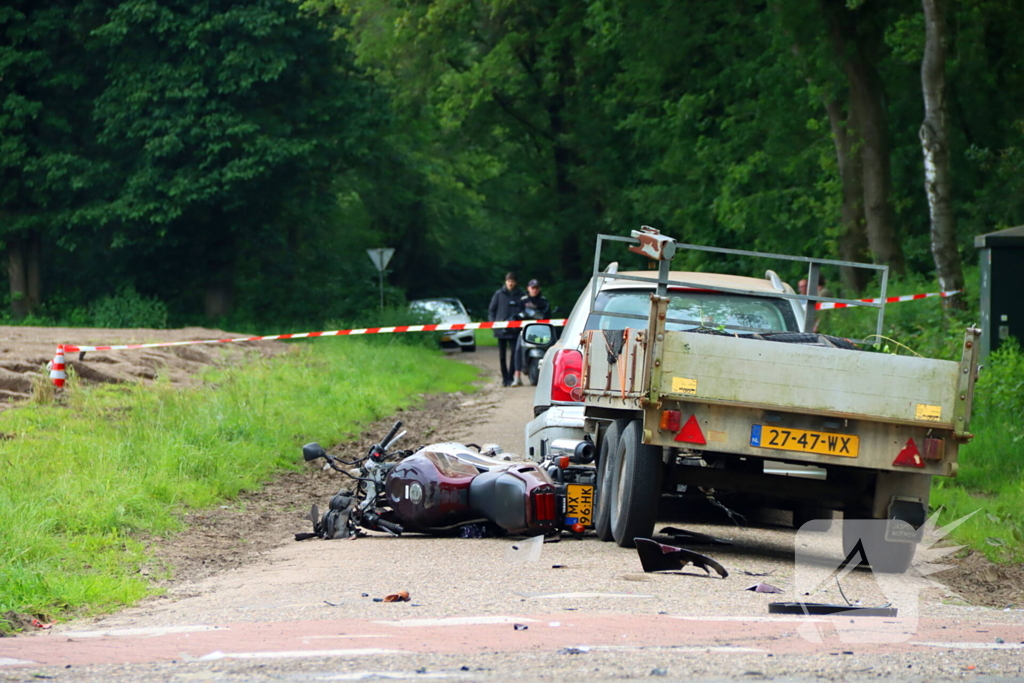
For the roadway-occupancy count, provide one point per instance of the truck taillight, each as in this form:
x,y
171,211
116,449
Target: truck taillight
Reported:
x,y
565,381
544,505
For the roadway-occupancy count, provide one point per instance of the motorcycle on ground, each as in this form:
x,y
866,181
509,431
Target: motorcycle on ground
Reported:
x,y
453,489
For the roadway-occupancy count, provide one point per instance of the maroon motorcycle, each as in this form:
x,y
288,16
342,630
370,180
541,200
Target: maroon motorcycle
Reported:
x,y
455,489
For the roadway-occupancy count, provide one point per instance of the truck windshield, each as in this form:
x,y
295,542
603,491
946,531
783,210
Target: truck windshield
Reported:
x,y
694,308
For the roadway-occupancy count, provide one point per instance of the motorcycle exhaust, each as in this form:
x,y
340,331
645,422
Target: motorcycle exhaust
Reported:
x,y
581,452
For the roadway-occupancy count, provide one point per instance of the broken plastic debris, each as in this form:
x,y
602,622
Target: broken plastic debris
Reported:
x,y
39,624
693,537
656,557
762,588
525,551
400,596
744,571
520,627
581,650
815,608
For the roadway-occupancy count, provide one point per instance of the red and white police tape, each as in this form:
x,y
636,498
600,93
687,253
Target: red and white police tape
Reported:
x,y
825,305
58,375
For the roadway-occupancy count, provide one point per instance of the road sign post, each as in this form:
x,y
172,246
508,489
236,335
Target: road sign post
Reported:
x,y
380,258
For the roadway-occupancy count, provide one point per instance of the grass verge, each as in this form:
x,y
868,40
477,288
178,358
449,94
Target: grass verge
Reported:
x,y
991,478
82,479
990,482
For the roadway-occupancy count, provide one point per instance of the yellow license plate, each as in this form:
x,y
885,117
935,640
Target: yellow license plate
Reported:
x,y
804,441
579,504
445,337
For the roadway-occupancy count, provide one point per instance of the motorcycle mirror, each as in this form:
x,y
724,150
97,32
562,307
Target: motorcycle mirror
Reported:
x,y
538,333
312,451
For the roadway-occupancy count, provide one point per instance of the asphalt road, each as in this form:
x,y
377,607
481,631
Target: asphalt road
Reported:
x,y
498,609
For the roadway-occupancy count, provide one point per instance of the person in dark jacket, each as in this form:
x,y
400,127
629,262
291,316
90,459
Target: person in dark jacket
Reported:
x,y
506,305
532,306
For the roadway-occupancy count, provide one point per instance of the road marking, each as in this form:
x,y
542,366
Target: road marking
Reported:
x,y
296,654
7,661
381,635
546,596
974,646
457,621
767,620
671,648
150,631
386,675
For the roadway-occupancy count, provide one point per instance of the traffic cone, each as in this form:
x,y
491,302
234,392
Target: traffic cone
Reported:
x,y
57,374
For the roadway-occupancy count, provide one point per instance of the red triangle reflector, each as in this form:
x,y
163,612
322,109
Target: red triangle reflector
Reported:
x,y
691,432
909,456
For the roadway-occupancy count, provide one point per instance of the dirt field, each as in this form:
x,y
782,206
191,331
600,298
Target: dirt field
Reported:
x,y
25,351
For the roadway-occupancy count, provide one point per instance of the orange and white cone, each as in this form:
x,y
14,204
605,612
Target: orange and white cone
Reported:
x,y
57,374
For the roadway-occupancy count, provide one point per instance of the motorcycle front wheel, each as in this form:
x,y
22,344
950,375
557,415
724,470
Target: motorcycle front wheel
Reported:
x,y
533,370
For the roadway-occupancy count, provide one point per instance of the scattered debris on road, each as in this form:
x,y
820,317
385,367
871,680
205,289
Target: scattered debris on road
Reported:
x,y
763,588
820,609
693,537
656,557
400,596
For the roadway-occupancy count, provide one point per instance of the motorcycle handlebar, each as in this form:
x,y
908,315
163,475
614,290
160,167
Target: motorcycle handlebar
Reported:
x,y
390,526
386,441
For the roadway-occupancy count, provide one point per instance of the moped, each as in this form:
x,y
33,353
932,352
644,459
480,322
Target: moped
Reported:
x,y
455,489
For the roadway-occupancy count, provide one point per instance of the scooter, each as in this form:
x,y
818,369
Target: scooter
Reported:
x,y
534,342
451,489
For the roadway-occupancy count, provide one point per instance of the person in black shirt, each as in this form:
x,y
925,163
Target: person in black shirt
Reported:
x,y
506,305
533,306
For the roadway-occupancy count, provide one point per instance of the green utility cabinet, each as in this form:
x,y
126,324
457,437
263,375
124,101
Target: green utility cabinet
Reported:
x,y
1002,283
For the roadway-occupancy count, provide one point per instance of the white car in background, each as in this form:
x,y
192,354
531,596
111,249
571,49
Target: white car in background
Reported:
x,y
447,310
557,405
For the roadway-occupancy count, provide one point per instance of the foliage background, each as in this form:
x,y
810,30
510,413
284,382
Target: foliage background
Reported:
x,y
233,160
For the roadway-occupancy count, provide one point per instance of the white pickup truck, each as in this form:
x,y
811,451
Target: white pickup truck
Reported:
x,y
685,400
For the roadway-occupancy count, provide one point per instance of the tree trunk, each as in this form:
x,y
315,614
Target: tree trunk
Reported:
x,y
16,268
934,136
33,269
219,298
24,264
867,108
853,240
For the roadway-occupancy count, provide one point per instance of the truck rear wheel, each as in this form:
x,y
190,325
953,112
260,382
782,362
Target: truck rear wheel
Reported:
x,y
603,499
635,489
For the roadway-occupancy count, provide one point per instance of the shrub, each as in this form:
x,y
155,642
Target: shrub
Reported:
x,y
128,308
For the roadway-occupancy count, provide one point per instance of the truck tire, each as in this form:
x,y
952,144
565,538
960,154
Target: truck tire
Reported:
x,y
636,486
603,495
882,555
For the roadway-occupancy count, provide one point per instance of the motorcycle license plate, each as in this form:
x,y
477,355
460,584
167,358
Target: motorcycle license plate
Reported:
x,y
804,441
579,504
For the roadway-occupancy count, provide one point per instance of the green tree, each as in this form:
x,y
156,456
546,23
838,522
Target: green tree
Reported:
x,y
48,162
214,113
